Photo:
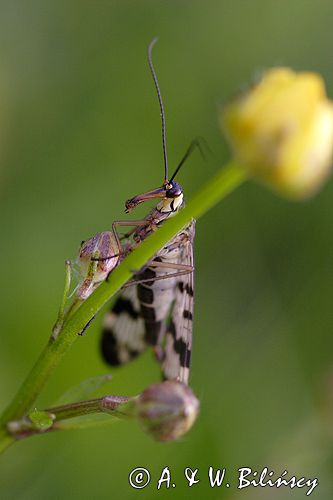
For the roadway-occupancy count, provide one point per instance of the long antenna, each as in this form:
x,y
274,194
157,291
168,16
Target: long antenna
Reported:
x,y
198,142
150,62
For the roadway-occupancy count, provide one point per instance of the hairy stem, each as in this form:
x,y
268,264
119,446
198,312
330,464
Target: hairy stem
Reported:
x,y
227,179
105,404
118,406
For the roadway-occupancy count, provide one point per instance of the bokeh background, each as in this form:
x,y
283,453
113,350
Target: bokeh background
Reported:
x,y
79,134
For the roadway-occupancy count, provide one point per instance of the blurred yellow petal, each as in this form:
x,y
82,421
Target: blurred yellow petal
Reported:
x,y
282,131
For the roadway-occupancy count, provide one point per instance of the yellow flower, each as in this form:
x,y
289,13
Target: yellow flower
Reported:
x,y
281,131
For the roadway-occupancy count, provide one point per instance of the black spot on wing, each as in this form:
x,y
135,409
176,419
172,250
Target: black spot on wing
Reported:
x,y
184,353
109,348
133,353
180,347
172,330
145,294
188,289
187,314
148,313
125,305
153,329
148,274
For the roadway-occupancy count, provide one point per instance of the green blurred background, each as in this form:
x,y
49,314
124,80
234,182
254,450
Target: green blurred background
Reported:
x,y
79,134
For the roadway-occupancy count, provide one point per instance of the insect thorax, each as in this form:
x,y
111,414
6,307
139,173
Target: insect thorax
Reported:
x,y
154,219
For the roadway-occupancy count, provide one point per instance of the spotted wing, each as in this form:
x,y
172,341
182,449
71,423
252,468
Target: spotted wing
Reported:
x,y
178,340
123,335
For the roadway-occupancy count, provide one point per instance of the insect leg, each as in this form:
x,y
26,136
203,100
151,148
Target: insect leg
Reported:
x,y
172,265
124,223
87,325
166,276
121,223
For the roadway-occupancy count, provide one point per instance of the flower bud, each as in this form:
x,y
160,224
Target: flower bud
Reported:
x,y
281,131
98,256
167,410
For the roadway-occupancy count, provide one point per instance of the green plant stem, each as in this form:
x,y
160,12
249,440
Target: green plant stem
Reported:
x,y
61,315
227,179
118,406
104,404
5,439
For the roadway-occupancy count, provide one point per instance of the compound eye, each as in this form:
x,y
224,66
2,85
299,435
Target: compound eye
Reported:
x,y
174,191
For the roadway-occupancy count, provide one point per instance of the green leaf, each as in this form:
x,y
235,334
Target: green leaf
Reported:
x,y
41,420
87,421
83,390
